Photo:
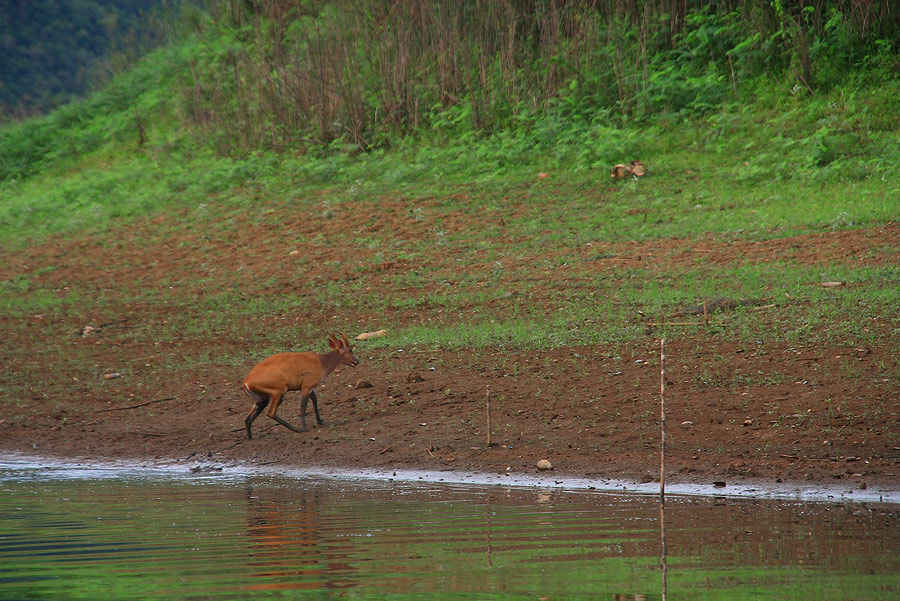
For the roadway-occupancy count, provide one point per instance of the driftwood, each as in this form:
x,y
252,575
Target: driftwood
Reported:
x,y
368,335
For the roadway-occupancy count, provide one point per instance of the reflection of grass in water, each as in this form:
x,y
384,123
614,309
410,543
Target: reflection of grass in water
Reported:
x,y
143,539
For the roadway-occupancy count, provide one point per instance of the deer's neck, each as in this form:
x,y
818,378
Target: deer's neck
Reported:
x,y
330,361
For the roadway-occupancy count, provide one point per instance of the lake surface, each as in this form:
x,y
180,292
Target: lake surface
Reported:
x,y
68,532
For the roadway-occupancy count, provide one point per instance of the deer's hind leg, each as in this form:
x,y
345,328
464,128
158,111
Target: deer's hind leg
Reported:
x,y
276,399
260,401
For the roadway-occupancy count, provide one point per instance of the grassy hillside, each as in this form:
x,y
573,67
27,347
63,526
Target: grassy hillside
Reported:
x,y
511,209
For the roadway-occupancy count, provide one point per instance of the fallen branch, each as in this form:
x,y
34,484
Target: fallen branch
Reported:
x,y
706,316
171,398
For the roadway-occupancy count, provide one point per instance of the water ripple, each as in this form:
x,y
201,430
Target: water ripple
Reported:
x,y
158,536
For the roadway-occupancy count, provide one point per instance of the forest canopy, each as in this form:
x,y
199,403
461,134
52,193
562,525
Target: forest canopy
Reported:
x,y
56,50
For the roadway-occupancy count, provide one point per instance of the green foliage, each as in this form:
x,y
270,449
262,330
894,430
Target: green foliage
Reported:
x,y
330,77
110,118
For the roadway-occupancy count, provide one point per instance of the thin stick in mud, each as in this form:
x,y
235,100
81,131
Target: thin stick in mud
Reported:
x,y
662,420
487,394
662,467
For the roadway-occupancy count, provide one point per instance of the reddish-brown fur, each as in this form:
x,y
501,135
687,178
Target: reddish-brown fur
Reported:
x,y
273,377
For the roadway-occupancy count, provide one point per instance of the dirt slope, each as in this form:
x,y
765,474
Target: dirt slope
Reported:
x,y
735,411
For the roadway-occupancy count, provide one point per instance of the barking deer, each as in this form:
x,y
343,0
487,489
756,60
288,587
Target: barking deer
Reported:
x,y
274,376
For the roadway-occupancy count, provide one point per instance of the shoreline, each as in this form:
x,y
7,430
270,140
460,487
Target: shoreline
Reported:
x,y
231,469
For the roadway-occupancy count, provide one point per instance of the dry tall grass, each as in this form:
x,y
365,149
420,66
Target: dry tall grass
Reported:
x,y
309,73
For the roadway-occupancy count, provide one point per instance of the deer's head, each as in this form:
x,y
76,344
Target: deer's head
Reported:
x,y
343,346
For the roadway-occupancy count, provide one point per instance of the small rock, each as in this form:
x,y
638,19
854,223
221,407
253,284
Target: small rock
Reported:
x,y
863,486
205,469
360,384
719,484
687,424
293,253
412,378
544,466
112,376
748,422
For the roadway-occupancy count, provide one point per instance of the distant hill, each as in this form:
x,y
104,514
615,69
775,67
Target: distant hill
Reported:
x,y
52,51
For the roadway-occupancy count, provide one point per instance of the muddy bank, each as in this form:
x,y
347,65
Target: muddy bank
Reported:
x,y
121,365
594,415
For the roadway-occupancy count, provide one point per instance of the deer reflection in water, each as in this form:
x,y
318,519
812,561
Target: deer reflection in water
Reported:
x,y
287,546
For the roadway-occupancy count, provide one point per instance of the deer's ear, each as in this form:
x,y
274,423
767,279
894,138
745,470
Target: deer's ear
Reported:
x,y
332,341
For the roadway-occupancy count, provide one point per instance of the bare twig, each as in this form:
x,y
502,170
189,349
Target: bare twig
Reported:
x,y
487,394
662,420
662,466
138,405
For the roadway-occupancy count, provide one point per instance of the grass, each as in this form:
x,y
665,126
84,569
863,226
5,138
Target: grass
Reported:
x,y
745,183
470,292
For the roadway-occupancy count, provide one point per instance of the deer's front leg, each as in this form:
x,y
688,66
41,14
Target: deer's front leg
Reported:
x,y
315,400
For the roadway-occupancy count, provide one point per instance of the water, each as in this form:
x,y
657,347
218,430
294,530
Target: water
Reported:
x,y
142,533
